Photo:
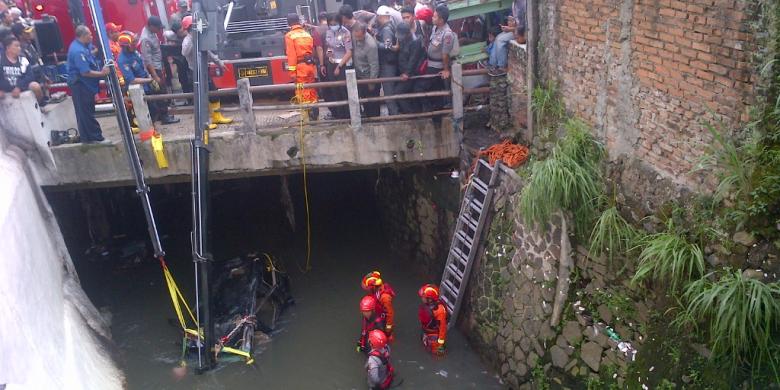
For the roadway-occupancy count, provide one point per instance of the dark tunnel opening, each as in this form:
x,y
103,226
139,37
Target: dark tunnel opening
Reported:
x,y
351,235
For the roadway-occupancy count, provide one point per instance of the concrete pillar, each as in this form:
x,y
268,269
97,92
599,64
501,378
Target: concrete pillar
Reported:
x,y
457,91
353,98
245,101
141,109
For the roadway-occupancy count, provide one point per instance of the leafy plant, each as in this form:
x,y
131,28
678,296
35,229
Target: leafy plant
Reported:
x,y
594,383
737,163
569,179
548,108
742,317
611,235
620,304
538,377
669,257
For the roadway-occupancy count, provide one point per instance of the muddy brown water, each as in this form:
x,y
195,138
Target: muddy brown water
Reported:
x,y
314,344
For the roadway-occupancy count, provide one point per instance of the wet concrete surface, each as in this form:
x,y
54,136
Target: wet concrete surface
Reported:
x,y
314,347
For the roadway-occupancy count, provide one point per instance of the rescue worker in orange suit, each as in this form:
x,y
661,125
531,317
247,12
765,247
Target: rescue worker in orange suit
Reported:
x,y
372,320
379,370
299,47
433,319
384,293
114,31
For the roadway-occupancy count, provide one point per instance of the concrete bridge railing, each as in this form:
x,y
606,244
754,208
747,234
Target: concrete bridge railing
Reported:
x,y
244,149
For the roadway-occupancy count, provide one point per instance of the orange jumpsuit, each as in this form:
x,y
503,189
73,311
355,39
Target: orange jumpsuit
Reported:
x,y
433,318
299,47
116,50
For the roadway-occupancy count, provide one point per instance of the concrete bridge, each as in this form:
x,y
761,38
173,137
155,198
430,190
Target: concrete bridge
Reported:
x,y
264,140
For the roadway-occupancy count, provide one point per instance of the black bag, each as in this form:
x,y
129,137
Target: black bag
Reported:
x,y
59,137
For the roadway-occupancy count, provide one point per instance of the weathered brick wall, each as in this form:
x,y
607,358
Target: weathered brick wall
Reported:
x,y
647,73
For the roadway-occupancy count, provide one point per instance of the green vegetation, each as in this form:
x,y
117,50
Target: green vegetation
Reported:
x,y
618,303
569,179
538,377
742,317
611,236
548,109
669,258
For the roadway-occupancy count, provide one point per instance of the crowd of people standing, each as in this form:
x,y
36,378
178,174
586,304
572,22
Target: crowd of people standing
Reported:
x,y
386,43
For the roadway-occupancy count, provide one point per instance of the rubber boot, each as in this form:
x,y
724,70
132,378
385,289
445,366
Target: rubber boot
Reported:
x,y
216,116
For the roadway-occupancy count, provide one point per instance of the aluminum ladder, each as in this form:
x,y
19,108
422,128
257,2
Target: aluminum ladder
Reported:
x,y
468,232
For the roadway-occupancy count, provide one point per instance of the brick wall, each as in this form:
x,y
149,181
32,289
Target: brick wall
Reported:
x,y
646,74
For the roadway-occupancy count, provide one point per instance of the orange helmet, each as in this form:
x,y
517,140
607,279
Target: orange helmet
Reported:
x,y
430,291
377,339
186,22
368,303
125,39
372,279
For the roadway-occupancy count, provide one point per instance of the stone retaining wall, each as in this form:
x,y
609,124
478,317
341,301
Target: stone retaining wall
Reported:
x,y
511,299
418,208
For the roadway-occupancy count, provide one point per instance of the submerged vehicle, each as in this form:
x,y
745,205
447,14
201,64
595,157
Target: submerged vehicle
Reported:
x,y
250,293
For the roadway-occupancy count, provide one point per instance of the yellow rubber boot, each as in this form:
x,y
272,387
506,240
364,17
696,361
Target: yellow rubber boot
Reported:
x,y
216,116
211,126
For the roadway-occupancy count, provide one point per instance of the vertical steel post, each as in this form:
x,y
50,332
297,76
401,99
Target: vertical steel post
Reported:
x,y
200,196
124,127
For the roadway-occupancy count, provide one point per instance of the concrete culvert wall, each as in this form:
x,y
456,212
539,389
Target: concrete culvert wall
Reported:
x,y
50,333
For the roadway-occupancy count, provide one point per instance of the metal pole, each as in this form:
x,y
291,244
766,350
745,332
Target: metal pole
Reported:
x,y
200,198
124,128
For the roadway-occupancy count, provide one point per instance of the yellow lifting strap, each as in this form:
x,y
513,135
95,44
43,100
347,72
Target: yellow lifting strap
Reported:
x,y
244,354
177,299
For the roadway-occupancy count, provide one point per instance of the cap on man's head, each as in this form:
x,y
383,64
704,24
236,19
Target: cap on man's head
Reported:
x,y
154,21
18,28
384,11
113,27
293,19
183,4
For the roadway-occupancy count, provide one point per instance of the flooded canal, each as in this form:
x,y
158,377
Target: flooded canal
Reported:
x,y
314,346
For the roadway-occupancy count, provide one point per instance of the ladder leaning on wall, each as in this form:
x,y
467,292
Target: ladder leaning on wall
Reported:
x,y
468,233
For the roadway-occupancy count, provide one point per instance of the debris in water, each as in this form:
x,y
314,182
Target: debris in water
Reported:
x,y
422,368
442,373
179,372
652,368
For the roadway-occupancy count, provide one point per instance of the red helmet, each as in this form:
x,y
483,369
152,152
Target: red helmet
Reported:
x,y
372,279
424,14
186,22
126,38
430,291
377,339
368,303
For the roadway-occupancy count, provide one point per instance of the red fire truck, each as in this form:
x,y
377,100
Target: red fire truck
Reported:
x,y
253,44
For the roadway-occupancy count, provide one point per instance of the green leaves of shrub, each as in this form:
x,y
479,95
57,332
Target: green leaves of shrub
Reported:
x,y
670,258
569,179
611,235
741,315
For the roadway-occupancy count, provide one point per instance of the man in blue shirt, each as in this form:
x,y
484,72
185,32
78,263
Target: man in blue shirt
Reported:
x,y
134,71
84,76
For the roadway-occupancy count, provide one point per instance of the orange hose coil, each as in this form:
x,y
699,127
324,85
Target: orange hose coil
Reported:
x,y
512,155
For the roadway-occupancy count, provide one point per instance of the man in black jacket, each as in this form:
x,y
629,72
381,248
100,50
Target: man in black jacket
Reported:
x,y
410,57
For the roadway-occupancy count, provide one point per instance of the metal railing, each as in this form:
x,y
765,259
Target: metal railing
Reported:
x,y
247,107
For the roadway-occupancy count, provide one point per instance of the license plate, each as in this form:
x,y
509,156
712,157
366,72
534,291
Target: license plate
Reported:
x,y
257,71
